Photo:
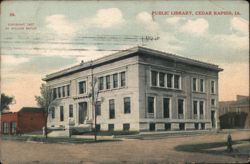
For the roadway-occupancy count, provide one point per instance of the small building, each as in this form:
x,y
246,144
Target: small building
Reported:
x,y
27,119
138,89
235,114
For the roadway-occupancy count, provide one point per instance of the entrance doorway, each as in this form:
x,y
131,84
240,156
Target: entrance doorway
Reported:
x,y
82,112
213,118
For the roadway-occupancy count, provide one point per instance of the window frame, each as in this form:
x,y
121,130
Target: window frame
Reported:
x,y
127,104
71,111
153,106
84,88
169,107
112,109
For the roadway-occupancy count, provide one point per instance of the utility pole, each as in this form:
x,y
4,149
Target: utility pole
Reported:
x,y
93,101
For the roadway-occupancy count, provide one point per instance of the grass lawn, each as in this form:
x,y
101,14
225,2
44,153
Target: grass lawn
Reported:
x,y
40,138
241,148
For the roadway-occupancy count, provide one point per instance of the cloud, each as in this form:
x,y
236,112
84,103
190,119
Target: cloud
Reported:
x,y
240,25
13,60
146,19
174,20
106,18
60,25
195,27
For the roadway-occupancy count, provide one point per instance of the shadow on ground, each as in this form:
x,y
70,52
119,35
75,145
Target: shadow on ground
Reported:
x,y
241,148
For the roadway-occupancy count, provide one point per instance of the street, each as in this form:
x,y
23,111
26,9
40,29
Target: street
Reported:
x,y
125,151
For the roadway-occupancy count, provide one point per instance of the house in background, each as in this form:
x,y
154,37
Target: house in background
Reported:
x,y
140,89
235,114
27,119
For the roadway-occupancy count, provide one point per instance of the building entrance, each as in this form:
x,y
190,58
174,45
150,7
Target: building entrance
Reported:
x,y
82,112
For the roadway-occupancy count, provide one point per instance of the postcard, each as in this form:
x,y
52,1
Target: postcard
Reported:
x,y
125,81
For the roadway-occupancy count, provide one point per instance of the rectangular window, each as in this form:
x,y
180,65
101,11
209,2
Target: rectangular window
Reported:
x,y
180,108
127,105
167,126
176,81
108,82
5,127
150,104
63,91
152,126
182,126
61,113
212,87
68,90
101,85
70,110
54,93
169,80
111,127
166,107
162,79
213,102
98,127
115,80
195,107
111,108
59,92
82,87
52,109
126,127
123,79
153,78
196,126
194,84
13,127
201,85
98,108
201,107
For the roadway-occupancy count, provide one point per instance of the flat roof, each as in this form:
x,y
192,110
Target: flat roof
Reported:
x,y
127,53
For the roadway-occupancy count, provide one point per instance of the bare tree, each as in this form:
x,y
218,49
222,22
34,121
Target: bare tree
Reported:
x,y
45,101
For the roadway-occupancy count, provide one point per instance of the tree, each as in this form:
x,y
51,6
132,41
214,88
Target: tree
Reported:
x,y
5,102
45,101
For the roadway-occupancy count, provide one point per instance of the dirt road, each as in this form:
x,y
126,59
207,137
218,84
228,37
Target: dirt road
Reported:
x,y
126,151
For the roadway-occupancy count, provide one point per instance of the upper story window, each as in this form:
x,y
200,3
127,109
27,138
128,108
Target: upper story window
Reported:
x,y
213,87
123,79
154,78
108,82
202,84
176,81
162,79
101,85
127,105
169,80
150,104
194,84
63,91
54,93
115,80
59,92
68,90
82,87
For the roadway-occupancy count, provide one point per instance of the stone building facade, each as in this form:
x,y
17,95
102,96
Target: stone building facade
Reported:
x,y
138,89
